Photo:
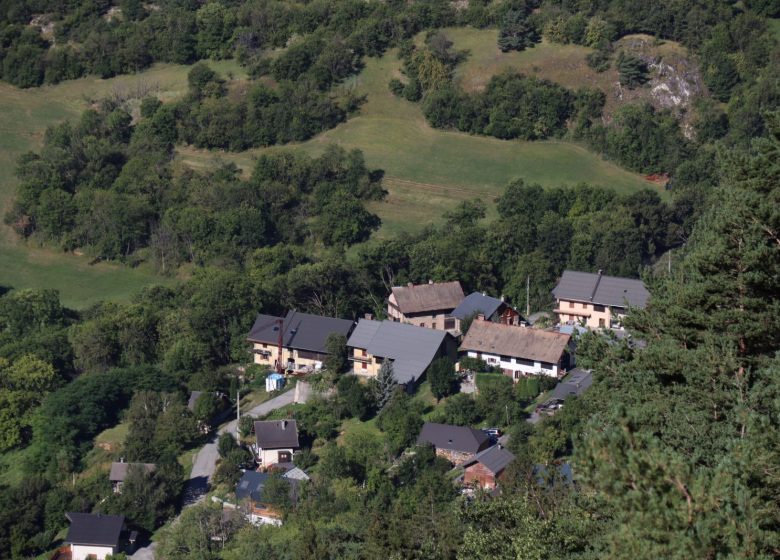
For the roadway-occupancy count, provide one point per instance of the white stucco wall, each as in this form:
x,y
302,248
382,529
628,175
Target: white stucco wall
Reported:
x,y
271,456
517,369
81,552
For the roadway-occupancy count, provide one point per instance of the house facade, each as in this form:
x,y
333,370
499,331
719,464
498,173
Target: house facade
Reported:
x,y
517,351
487,467
409,348
596,300
303,338
276,441
426,305
94,536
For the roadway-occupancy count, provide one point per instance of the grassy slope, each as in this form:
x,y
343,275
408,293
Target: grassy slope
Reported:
x,y
24,116
427,170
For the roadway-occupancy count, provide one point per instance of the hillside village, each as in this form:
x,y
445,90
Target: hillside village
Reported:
x,y
370,279
426,327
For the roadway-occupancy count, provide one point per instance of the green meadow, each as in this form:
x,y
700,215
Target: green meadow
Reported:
x,y
427,171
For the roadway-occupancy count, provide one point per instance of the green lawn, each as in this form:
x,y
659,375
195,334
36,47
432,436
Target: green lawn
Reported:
x,y
24,116
429,171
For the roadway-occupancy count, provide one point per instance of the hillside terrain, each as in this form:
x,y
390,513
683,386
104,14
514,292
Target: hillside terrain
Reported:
x,y
359,279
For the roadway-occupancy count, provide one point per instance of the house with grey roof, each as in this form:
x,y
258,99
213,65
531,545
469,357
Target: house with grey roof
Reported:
x,y
426,305
94,535
455,443
487,467
276,441
119,471
302,337
479,304
410,349
597,300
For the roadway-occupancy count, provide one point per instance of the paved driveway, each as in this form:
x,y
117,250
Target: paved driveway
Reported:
x,y
205,462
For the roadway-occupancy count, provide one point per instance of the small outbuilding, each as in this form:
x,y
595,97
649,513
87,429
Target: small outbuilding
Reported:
x,y
487,467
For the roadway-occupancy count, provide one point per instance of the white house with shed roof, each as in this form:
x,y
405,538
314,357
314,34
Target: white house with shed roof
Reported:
x,y
597,300
517,351
411,349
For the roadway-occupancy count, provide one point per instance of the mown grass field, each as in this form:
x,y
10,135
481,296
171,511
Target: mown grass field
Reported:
x,y
429,171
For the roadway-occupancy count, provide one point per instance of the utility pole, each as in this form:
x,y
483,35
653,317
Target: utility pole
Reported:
x,y
238,415
527,296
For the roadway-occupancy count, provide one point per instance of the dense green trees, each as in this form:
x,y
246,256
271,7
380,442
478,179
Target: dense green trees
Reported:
x,y
512,106
109,186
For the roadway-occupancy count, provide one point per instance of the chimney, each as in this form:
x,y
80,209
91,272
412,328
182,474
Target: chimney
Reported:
x,y
369,316
503,298
599,272
480,317
284,424
409,284
484,294
430,281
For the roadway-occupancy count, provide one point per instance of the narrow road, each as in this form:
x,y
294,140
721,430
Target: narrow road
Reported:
x,y
205,462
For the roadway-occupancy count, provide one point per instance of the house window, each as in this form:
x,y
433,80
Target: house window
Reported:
x,y
524,362
571,304
449,324
602,323
598,308
265,346
422,325
584,305
364,353
364,365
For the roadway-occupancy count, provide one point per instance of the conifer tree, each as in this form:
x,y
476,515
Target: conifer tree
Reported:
x,y
386,384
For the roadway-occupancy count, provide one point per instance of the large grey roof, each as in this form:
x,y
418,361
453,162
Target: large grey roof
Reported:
x,y
601,289
477,303
94,529
411,348
119,470
495,459
574,384
276,434
453,438
301,330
